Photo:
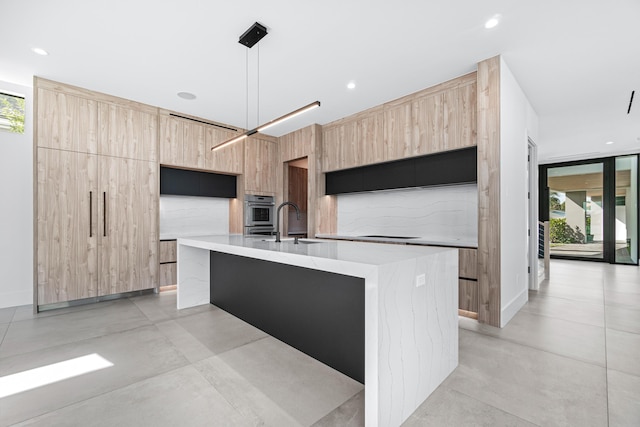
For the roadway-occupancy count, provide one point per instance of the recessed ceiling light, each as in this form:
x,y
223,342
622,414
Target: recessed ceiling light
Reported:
x,y
351,85
39,51
186,95
492,22
609,142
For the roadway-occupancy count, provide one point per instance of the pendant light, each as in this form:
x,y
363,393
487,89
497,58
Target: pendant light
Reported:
x,y
250,37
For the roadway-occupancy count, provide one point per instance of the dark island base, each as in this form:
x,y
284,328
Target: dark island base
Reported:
x,y
316,312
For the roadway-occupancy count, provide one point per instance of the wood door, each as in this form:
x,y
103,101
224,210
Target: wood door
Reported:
x,y
66,122
261,161
428,117
128,231
398,130
171,141
66,226
127,132
330,148
194,141
229,159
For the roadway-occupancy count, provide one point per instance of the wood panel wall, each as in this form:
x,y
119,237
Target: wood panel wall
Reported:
x,y
488,137
307,142
261,160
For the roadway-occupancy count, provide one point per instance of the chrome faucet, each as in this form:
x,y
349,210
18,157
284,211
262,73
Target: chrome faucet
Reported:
x,y
278,217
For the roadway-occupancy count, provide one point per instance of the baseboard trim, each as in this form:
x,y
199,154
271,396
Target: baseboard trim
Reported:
x,y
513,307
92,300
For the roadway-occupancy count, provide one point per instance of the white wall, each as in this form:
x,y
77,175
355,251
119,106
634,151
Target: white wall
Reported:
x,y
518,123
437,213
16,214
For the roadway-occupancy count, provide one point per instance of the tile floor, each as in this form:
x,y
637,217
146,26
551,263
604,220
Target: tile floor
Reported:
x,y
570,357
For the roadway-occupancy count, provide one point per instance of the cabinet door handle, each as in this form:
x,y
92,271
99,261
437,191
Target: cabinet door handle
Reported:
x,y
90,213
104,213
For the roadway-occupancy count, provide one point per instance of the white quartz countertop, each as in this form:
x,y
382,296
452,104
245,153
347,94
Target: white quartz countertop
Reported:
x,y
318,249
175,236
420,241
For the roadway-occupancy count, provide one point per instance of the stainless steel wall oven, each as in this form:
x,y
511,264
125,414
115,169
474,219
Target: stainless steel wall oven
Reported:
x,y
259,214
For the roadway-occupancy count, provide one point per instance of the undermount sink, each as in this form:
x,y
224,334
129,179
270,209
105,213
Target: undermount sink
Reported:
x,y
300,241
390,237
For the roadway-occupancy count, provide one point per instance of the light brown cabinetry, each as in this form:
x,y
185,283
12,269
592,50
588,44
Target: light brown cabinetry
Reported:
x,y
468,282
171,141
261,161
445,121
354,141
187,143
431,122
67,235
66,122
229,159
441,118
168,263
127,132
97,225
129,228
398,130
97,195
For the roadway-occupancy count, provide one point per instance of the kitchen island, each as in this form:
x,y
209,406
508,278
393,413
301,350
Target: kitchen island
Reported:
x,y
410,294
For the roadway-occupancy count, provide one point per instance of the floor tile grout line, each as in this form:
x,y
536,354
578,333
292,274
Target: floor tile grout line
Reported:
x,y
104,393
4,334
76,342
230,403
339,405
493,406
541,294
561,318
511,341
625,373
70,310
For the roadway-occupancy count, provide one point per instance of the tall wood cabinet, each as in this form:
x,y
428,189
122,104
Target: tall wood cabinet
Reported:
x,y
67,235
97,194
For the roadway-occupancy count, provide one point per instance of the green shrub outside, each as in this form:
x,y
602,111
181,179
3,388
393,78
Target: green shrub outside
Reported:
x,y
561,232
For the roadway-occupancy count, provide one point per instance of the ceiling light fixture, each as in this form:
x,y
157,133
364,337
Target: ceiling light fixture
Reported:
x,y
609,142
186,95
492,22
249,38
39,51
351,85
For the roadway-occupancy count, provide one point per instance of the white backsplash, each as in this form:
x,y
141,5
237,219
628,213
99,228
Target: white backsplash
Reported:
x,y
193,216
435,212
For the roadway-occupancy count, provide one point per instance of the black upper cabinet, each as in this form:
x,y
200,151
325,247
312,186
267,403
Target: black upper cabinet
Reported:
x,y
383,176
344,181
194,183
451,167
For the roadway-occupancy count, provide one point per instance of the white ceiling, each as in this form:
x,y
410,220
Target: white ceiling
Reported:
x,y
577,61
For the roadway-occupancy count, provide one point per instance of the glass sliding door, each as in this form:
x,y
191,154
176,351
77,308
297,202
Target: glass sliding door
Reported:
x,y
576,215
626,210
592,208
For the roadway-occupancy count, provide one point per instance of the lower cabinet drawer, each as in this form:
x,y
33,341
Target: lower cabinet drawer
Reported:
x,y
168,274
468,263
468,295
168,251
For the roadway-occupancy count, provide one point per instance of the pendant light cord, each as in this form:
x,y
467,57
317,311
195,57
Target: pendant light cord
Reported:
x,y
246,61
